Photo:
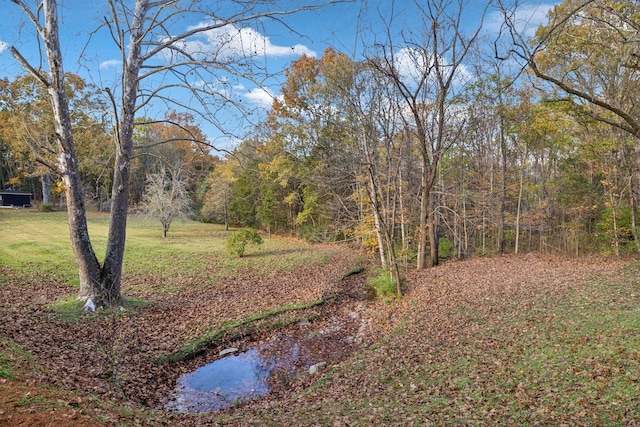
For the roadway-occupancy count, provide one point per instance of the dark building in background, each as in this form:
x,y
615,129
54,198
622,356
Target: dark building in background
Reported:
x,y
13,198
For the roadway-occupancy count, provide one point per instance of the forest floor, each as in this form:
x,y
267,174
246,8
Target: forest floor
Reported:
x,y
527,340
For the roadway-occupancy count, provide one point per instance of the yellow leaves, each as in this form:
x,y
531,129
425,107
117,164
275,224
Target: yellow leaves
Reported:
x,y
59,187
588,42
280,169
291,198
365,232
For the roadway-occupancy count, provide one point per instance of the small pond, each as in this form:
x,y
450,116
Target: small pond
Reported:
x,y
253,373
220,384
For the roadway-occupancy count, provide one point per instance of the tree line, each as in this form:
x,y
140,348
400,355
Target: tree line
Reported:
x,y
432,142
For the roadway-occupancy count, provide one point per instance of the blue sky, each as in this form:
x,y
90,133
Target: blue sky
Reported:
x,y
92,54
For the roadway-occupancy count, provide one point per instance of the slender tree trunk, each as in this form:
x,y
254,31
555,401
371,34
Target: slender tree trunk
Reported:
x,y
634,218
503,195
464,226
375,203
381,243
614,213
484,230
634,179
393,264
226,212
518,213
423,233
383,228
432,222
46,188
403,227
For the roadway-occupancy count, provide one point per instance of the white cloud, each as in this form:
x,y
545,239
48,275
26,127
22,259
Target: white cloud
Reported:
x,y
220,87
3,46
110,64
527,18
210,85
260,97
230,42
412,64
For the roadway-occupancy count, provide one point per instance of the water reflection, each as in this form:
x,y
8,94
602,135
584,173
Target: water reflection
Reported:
x,y
233,379
256,372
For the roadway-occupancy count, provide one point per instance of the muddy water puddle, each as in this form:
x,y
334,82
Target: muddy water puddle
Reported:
x,y
255,372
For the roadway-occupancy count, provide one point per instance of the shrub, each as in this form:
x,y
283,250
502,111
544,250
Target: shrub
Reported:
x,y
383,284
237,243
445,248
46,207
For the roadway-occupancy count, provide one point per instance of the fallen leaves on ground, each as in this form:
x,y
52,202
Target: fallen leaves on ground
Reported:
x,y
449,315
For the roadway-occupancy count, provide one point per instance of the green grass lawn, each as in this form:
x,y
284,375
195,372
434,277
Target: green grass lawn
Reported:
x,y
33,240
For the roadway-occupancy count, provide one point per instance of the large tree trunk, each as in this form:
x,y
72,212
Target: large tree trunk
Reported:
x,y
114,256
99,286
88,266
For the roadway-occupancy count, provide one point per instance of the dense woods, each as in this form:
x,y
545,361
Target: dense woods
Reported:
x,y
515,165
435,143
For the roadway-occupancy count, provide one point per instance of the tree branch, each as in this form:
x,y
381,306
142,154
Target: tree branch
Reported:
x,y
35,73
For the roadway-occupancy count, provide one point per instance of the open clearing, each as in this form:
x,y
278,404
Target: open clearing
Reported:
x,y
528,340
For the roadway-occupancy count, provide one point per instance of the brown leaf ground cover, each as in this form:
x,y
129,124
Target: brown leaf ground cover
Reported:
x,y
457,350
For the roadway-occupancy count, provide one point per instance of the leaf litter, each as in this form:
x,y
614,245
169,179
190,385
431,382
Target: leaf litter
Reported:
x,y
454,350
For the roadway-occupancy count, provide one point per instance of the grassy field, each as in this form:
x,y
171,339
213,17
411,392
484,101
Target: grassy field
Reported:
x,y
40,240
516,341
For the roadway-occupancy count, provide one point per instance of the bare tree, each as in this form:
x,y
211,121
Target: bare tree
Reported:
x,y
427,72
379,156
158,57
166,197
